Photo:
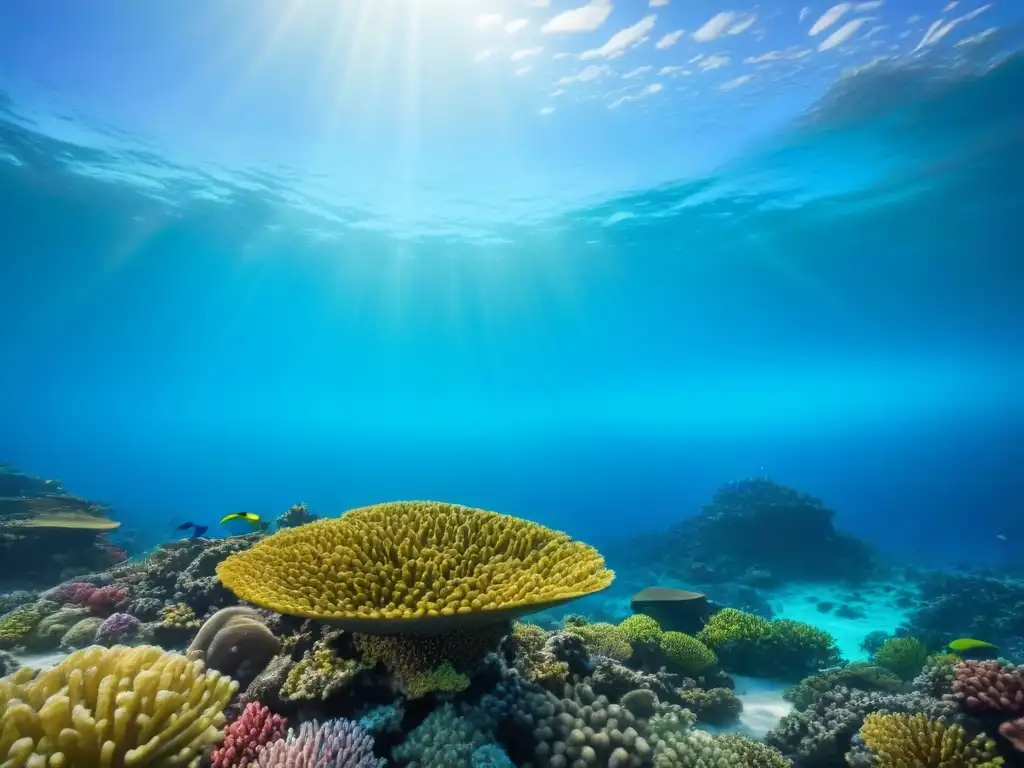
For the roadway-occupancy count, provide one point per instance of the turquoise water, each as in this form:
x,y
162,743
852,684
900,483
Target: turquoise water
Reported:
x,y
837,305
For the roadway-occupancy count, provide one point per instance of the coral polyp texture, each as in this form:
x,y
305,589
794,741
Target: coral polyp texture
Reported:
x,y
915,740
415,566
112,708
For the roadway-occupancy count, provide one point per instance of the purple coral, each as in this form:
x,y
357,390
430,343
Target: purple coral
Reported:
x,y
335,744
116,628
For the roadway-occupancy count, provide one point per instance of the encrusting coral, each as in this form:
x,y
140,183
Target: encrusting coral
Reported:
x,y
414,567
113,707
898,740
319,674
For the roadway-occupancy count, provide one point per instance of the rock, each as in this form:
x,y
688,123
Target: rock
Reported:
x,y
675,610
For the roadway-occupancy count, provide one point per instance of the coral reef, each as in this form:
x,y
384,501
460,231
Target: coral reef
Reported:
x,y
237,642
47,534
757,532
431,565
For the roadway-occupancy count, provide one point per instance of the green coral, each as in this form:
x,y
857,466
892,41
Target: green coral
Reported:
x,y
686,653
784,649
640,628
319,674
903,656
859,675
442,679
16,625
603,639
82,633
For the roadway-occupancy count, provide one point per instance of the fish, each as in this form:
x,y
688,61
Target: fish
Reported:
x,y
969,644
250,519
1001,537
197,530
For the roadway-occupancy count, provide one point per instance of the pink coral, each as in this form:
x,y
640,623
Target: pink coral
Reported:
x,y
118,628
77,592
246,737
104,600
989,685
1013,731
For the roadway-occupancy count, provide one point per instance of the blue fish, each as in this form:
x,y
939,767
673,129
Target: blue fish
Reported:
x,y
197,530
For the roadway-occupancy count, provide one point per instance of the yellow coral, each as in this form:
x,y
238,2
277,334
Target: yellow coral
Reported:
x,y
905,741
112,708
414,566
16,625
179,616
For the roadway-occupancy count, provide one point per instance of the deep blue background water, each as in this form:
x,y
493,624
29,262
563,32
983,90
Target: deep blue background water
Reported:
x,y
839,309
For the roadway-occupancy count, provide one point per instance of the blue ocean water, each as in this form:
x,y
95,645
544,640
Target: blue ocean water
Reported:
x,y
837,307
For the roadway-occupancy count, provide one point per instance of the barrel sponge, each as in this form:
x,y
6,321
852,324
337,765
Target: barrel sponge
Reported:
x,y
414,566
112,708
897,740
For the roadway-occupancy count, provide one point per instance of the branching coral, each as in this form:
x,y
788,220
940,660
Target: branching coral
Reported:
x,y
117,628
714,706
445,739
640,628
914,740
858,675
334,744
111,708
686,654
903,656
414,567
247,735
604,639
784,649
752,754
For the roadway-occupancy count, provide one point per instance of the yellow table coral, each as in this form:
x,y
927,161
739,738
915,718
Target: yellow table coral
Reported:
x,y
112,708
415,567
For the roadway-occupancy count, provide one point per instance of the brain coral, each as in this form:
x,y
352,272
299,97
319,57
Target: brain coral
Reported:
x,y
113,708
414,566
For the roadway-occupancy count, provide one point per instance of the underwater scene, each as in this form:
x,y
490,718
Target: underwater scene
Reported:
x,y
492,383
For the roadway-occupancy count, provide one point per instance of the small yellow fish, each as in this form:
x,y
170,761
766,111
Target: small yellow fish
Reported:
x,y
966,644
251,519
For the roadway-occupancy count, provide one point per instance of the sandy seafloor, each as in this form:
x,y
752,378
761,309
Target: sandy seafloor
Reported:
x,y
763,705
